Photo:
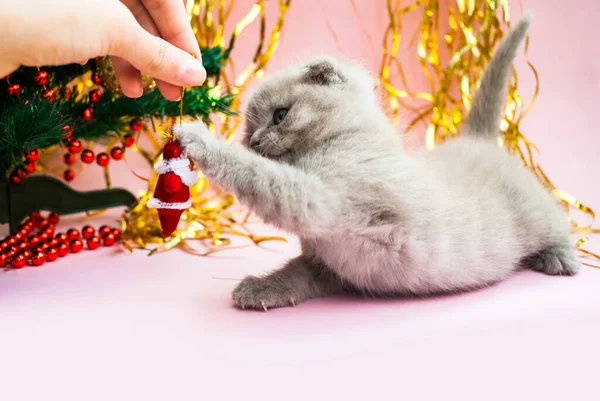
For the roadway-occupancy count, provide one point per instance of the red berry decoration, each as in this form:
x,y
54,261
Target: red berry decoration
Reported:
x,y
73,233
38,258
29,167
117,233
74,146
67,131
135,125
51,254
87,231
102,159
96,79
95,95
63,249
22,173
76,245
47,94
14,90
19,261
41,77
69,175
93,242
14,178
108,239
116,153
103,230
87,156
128,140
88,113
53,218
69,158
33,155
67,93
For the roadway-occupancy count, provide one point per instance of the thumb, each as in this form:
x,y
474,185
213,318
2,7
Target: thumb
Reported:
x,y
154,56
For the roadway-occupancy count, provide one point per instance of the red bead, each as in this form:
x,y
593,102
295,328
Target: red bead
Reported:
x,y
53,242
95,95
62,237
128,140
135,125
11,241
87,231
38,258
67,93
29,167
22,245
14,178
93,242
87,156
69,158
69,175
22,173
40,223
88,113
96,79
54,218
74,146
117,233
63,249
43,237
14,90
18,237
18,261
67,130
76,245
116,153
33,240
33,155
41,77
51,254
102,159
3,260
27,253
108,239
13,250
47,94
103,230
73,233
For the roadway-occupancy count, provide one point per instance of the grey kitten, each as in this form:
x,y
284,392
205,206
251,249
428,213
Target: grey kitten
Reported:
x,y
325,163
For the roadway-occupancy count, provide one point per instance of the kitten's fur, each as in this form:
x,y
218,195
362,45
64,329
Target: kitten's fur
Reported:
x,y
370,217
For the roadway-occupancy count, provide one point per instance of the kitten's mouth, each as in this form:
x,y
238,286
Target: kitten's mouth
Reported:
x,y
265,147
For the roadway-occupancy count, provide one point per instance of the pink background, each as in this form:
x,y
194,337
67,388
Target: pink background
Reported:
x,y
108,325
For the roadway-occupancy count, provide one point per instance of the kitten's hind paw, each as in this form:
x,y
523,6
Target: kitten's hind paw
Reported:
x,y
556,260
263,293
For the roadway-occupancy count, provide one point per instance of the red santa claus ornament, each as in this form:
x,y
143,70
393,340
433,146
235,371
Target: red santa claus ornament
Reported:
x,y
172,193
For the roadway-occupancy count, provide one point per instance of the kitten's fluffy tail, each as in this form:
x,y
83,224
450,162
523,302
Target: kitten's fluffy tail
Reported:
x,y
486,112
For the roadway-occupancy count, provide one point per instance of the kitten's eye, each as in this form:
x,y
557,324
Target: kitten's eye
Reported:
x,y
279,115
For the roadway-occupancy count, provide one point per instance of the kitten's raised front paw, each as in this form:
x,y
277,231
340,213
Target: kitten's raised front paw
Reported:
x,y
192,138
263,293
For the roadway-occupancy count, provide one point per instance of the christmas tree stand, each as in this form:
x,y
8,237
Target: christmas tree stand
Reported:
x,y
37,193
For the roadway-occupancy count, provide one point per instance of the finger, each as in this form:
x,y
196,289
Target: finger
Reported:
x,y
154,56
129,76
173,24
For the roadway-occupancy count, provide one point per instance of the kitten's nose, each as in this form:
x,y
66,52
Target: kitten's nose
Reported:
x,y
254,141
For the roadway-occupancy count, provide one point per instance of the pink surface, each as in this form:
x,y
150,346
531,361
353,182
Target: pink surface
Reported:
x,y
108,325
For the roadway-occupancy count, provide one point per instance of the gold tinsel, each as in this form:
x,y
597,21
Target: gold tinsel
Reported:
x,y
474,27
212,217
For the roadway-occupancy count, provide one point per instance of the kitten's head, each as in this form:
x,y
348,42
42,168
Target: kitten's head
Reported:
x,y
301,106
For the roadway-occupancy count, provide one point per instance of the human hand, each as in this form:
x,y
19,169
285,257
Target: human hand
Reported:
x,y
56,32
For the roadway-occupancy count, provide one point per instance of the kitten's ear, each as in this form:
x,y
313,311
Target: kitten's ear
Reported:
x,y
323,73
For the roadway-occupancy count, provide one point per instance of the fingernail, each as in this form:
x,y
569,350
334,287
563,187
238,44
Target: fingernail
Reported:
x,y
192,73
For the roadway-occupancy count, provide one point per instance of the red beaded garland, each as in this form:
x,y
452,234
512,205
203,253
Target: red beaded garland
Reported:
x,y
95,95
102,159
14,178
96,79
29,167
108,239
76,245
33,240
41,77
74,146
69,175
128,140
93,242
62,237
33,155
26,253
18,261
2,260
69,158
87,156
135,125
87,231
73,233
38,258
47,94
14,90
63,249
103,230
51,254
117,233
116,153
53,218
